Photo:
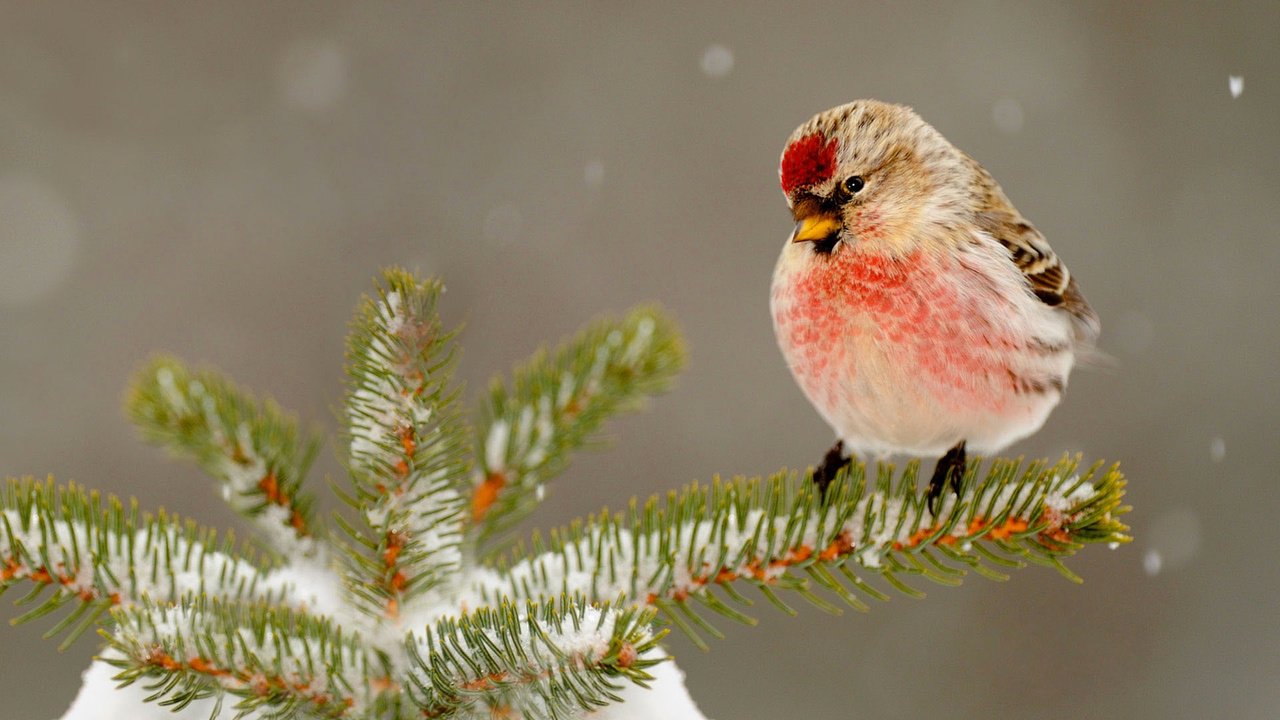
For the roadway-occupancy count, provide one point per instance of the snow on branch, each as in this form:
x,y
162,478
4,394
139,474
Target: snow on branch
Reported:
x,y
556,401
779,534
534,660
272,659
95,555
252,447
414,624
408,449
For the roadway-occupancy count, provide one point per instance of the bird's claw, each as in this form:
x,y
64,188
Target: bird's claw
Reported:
x,y
949,472
832,463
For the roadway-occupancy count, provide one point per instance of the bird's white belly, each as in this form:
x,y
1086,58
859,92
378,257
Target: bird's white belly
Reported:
x,y
884,403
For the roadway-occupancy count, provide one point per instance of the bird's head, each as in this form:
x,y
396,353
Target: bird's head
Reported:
x,y
872,173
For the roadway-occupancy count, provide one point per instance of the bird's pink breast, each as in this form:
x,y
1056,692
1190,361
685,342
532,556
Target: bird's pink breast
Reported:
x,y
909,320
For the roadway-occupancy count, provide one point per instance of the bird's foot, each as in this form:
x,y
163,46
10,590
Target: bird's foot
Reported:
x,y
949,472
834,461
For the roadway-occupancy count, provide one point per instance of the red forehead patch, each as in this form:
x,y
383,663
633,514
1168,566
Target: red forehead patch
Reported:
x,y
808,161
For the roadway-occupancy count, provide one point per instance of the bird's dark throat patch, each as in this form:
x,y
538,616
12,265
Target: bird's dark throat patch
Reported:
x,y
826,245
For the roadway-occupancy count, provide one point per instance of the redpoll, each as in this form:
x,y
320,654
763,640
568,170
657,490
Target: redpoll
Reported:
x,y
919,312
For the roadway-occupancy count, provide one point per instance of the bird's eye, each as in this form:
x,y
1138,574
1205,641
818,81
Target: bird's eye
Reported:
x,y
854,184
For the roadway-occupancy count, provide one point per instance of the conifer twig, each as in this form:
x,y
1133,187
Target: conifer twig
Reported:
x,y
273,659
424,628
538,661
254,448
94,554
555,403
407,446
780,534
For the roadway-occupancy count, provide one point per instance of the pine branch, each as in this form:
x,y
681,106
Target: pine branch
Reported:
x,y
283,663
252,447
766,532
555,404
408,447
548,660
198,622
94,555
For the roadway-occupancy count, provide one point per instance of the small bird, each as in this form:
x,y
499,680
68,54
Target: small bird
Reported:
x,y
917,309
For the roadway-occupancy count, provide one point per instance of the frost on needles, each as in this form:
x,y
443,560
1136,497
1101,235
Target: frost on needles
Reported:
x,y
413,603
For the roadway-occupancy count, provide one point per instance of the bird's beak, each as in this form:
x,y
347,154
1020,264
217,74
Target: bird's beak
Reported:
x,y
813,228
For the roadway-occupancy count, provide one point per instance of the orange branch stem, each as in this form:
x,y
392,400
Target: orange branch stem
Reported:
x,y
843,547
14,570
259,684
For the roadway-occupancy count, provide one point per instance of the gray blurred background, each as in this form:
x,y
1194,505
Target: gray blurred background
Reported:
x,y
222,180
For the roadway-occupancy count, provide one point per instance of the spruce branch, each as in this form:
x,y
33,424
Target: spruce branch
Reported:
x,y
557,401
408,448
284,663
547,660
779,534
425,629
94,554
255,449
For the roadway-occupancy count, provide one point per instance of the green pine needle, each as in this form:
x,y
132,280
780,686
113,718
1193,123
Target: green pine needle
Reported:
x,y
408,447
79,551
253,447
271,658
778,535
423,629
547,660
557,402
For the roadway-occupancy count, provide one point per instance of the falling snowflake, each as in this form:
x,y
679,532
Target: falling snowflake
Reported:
x,y
1217,449
717,61
1151,562
1236,85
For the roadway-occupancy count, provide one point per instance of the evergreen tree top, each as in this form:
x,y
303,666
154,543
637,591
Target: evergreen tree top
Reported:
x,y
405,607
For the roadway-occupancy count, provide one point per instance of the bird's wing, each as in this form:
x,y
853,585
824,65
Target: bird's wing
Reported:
x,y
1045,273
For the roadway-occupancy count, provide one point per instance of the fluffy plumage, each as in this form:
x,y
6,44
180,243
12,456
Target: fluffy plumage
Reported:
x,y
916,308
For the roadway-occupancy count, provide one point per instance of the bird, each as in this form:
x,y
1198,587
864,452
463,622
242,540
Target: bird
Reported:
x,y
917,309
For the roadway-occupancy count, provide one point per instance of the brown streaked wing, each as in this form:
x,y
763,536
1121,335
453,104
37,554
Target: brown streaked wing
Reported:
x,y
1045,273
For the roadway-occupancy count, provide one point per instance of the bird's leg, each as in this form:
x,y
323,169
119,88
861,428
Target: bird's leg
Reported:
x,y
948,472
832,462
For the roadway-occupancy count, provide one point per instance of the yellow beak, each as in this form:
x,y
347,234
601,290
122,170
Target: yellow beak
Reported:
x,y
816,227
